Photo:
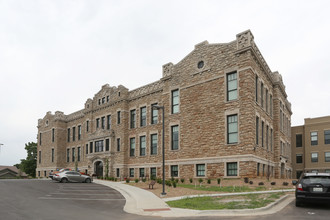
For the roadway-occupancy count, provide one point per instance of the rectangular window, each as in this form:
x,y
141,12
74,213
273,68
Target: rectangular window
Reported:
x,y
314,138
68,155
142,145
107,144
154,114
154,143
262,94
118,144
257,130
79,132
256,84
53,135
271,139
143,116
231,86
91,147
327,137
175,137
74,134
258,169
103,122
262,133
117,172
40,138
68,134
141,172
298,174
86,149
266,100
99,146
133,118
79,153
232,129
52,154
87,126
131,172
118,117
314,157
108,98
108,122
281,120
267,136
73,154
232,169
132,147
271,105
299,158
174,171
200,169
298,140
97,123
153,172
103,100
175,101
327,156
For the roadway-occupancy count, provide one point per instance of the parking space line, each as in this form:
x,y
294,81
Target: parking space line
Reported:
x,y
53,198
84,193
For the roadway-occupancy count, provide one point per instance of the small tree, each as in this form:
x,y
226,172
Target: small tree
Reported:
x,y
29,164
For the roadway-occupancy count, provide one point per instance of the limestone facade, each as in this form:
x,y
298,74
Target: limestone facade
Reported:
x,y
226,115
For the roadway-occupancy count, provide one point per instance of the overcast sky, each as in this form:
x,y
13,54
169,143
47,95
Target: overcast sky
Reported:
x,y
54,55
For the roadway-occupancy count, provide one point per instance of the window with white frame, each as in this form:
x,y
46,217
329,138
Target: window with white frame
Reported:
x,y
232,129
232,169
231,86
314,138
200,170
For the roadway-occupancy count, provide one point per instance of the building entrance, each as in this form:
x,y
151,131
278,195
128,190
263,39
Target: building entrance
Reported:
x,y
98,168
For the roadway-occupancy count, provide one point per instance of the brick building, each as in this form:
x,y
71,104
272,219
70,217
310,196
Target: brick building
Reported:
x,y
311,146
226,114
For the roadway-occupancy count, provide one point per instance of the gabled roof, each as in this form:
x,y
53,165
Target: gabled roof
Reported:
x,y
11,169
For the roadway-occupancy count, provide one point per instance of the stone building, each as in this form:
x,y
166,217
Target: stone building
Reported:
x,y
226,115
311,146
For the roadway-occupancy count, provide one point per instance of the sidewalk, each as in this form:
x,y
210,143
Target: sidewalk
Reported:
x,y
143,202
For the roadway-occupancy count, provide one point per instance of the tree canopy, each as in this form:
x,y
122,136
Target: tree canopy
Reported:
x,y
29,164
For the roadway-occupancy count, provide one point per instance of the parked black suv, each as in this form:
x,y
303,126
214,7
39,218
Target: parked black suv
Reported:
x,y
313,187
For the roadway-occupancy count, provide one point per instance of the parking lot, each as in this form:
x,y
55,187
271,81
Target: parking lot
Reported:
x,y
47,199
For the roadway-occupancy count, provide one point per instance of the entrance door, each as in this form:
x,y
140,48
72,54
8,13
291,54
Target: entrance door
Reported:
x,y
99,168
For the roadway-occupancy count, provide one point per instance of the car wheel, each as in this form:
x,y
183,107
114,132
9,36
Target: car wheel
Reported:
x,y
64,180
298,203
88,180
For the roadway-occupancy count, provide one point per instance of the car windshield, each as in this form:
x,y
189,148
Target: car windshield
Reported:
x,y
316,179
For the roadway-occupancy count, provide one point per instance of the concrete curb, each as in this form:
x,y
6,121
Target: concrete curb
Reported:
x,y
142,202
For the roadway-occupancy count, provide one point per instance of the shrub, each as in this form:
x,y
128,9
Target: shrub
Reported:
x,y
273,183
246,179
115,179
168,183
176,180
182,180
144,180
285,183
190,180
251,182
209,181
127,180
159,181
200,180
174,184
219,181
172,178
136,180
261,183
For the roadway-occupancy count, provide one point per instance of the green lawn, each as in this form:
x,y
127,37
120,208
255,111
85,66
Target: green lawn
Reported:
x,y
223,188
250,201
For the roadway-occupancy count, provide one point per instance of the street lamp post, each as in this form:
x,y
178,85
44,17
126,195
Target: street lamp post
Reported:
x,y
163,144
